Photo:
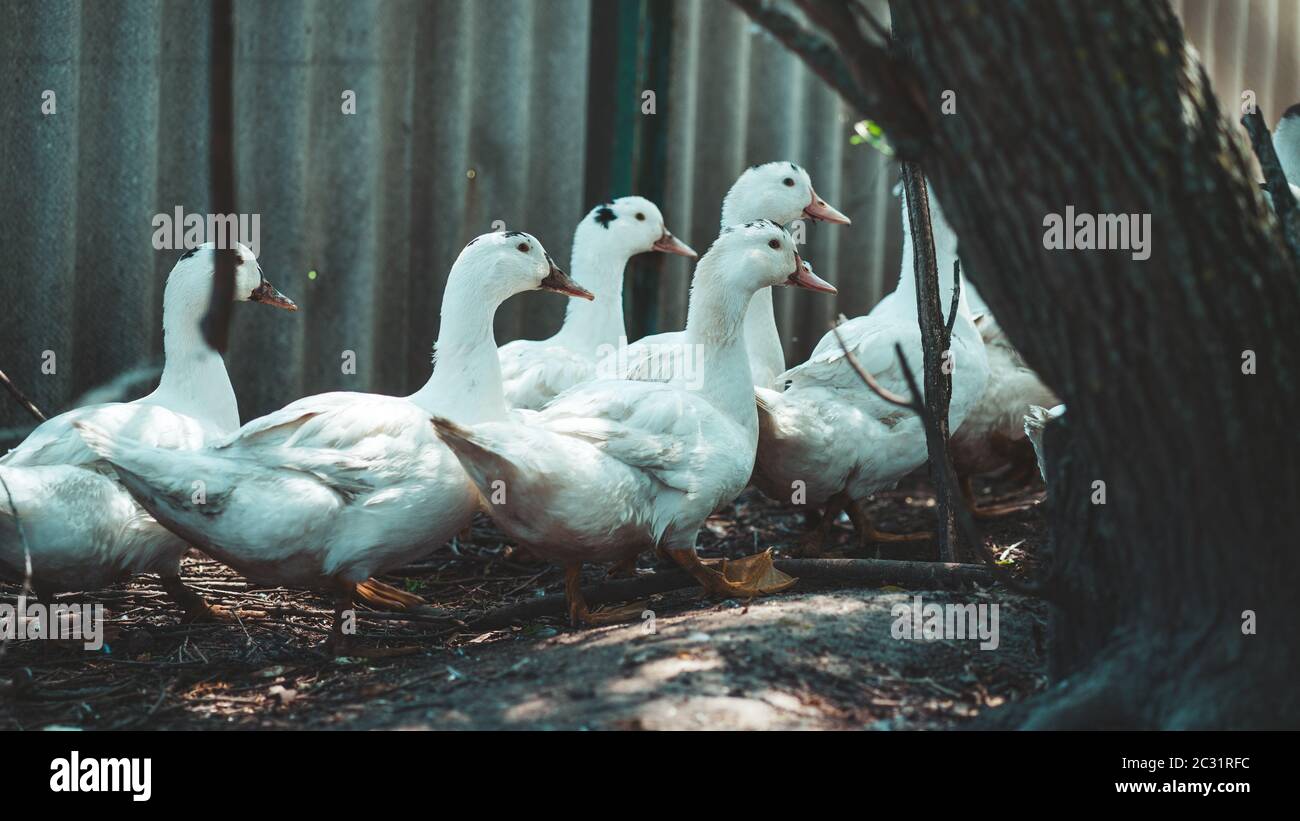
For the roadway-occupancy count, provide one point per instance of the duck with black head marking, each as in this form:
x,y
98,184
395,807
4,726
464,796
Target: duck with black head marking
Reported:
x,y
536,371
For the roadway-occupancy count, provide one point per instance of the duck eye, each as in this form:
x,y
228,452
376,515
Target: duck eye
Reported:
x,y
774,244
640,216
789,182
523,247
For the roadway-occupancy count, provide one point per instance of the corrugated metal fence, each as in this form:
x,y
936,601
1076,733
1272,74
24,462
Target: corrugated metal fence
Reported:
x,y
467,112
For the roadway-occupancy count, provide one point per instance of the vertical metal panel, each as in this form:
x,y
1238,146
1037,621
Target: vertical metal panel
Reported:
x,y
273,102
739,98
40,42
1248,44
380,203
118,125
555,142
439,184
341,187
394,157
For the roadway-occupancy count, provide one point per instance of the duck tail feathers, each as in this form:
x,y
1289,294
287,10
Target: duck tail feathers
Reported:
x,y
98,440
482,460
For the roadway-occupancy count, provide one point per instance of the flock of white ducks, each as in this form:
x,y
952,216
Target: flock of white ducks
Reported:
x,y
575,461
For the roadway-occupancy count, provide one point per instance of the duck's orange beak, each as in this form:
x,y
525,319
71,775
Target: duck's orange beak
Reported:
x,y
803,277
670,244
819,209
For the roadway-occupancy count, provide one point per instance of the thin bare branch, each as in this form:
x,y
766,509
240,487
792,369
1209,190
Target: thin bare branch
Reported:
x,y
815,50
869,380
864,14
910,378
956,300
21,397
869,571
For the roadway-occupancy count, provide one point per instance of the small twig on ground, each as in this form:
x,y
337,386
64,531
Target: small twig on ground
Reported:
x,y
871,571
964,521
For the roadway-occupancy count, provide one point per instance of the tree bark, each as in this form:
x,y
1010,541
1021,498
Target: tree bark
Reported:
x,y
1197,457
1102,106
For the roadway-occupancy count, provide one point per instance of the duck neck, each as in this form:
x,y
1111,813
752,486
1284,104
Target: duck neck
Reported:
x,y
716,349
589,324
465,385
945,254
194,380
762,339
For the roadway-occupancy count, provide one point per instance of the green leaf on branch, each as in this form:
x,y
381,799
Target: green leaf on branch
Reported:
x,y
867,132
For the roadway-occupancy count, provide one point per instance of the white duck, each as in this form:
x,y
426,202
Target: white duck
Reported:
x,y
610,467
777,191
829,438
993,435
1036,422
335,488
59,502
1286,142
535,371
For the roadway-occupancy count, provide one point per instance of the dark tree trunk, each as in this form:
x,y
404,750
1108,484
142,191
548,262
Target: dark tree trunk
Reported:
x,y
1101,106
1086,105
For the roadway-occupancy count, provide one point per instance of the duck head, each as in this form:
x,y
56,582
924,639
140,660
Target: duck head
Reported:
x,y
629,226
779,191
761,254
191,278
511,262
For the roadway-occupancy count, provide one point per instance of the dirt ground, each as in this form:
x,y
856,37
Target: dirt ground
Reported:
x,y
817,656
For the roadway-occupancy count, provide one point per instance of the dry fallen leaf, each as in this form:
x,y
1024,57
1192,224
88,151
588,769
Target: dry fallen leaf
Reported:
x,y
285,695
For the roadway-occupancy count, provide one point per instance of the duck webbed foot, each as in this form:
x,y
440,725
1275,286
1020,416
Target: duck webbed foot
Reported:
x,y
624,569
734,578
868,534
340,642
194,607
378,594
580,615
995,511
813,543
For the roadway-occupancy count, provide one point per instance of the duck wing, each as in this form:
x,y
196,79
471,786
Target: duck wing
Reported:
x,y
55,441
